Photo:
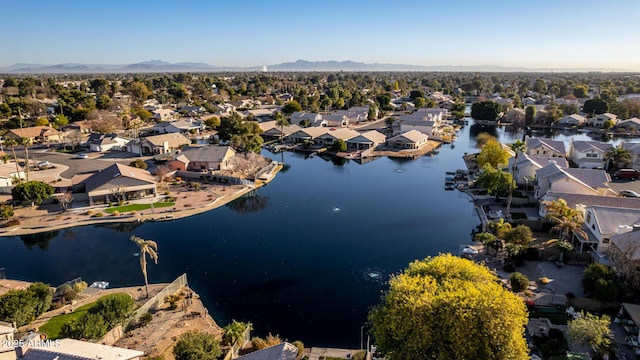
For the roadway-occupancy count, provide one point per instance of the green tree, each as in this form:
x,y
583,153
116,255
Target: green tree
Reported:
x,y
32,191
493,154
196,345
41,122
617,155
520,235
483,138
591,330
419,102
414,94
608,124
139,163
144,114
88,326
61,121
339,146
486,110
519,282
6,211
595,106
580,91
529,115
147,247
567,220
282,122
139,91
449,308
291,106
599,281
212,122
103,102
496,181
486,238
234,332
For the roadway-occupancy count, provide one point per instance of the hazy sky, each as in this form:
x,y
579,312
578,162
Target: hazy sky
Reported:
x,y
543,33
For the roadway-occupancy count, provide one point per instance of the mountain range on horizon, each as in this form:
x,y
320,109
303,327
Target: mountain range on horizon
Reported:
x,y
152,66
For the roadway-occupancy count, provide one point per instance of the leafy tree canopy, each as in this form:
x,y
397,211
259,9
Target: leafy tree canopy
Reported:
x,y
291,106
497,182
591,330
449,308
32,191
486,110
493,154
595,106
197,345
599,281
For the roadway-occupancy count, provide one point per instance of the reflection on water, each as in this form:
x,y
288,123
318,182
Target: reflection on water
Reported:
x,y
40,240
249,203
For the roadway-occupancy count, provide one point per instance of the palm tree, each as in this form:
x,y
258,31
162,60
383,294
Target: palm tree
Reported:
x,y
517,147
617,155
568,221
11,142
5,158
25,141
146,247
282,122
234,332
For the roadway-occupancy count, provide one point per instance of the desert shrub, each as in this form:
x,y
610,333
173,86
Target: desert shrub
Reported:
x,y
145,319
23,306
258,343
97,215
12,222
197,345
299,345
116,213
519,282
79,286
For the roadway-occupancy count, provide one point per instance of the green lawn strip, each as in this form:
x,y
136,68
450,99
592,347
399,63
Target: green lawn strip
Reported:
x,y
138,207
53,327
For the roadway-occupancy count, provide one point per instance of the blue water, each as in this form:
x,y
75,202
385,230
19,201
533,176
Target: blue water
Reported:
x,y
297,259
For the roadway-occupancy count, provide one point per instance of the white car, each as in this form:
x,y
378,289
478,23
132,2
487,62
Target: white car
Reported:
x,y
629,193
82,156
469,251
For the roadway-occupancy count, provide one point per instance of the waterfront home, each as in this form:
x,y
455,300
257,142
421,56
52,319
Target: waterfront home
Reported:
x,y
8,175
589,154
412,140
634,149
164,114
282,351
179,126
207,158
580,201
599,120
106,142
367,140
571,180
355,114
571,120
601,223
310,133
35,134
333,121
631,125
527,165
66,349
271,130
299,117
102,186
328,138
158,144
545,147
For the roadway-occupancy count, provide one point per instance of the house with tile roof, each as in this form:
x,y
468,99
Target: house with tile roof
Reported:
x,y
158,144
106,142
589,154
70,349
366,140
164,114
571,180
134,182
271,130
310,133
599,120
571,120
211,158
301,116
527,165
83,126
35,134
282,351
601,223
631,125
184,126
412,139
545,147
328,138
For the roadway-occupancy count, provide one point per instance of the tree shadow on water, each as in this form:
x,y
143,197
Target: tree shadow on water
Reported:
x,y
40,240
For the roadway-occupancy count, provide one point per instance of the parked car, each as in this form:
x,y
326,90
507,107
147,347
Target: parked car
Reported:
x,y
630,174
629,193
43,165
82,156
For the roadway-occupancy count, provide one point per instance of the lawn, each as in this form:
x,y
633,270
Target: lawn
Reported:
x,y
138,207
53,327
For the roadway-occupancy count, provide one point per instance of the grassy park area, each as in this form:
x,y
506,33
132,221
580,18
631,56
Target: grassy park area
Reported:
x,y
138,207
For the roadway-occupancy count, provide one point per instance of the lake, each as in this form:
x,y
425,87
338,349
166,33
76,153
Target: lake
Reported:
x,y
305,258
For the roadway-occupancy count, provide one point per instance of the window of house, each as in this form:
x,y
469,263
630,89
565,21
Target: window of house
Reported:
x,y
544,152
592,155
589,217
593,226
537,152
605,241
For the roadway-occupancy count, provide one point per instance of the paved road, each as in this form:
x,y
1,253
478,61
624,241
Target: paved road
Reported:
x,y
618,185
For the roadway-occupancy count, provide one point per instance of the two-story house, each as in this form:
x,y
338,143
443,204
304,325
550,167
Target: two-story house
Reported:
x,y
545,147
571,180
527,165
599,120
601,223
589,154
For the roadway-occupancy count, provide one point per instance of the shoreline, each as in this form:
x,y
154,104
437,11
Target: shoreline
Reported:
x,y
140,217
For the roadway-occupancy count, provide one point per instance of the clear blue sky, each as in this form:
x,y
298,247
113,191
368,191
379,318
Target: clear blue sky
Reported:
x,y
543,33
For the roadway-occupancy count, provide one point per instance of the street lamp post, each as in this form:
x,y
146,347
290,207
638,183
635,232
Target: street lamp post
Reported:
x,y
361,337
